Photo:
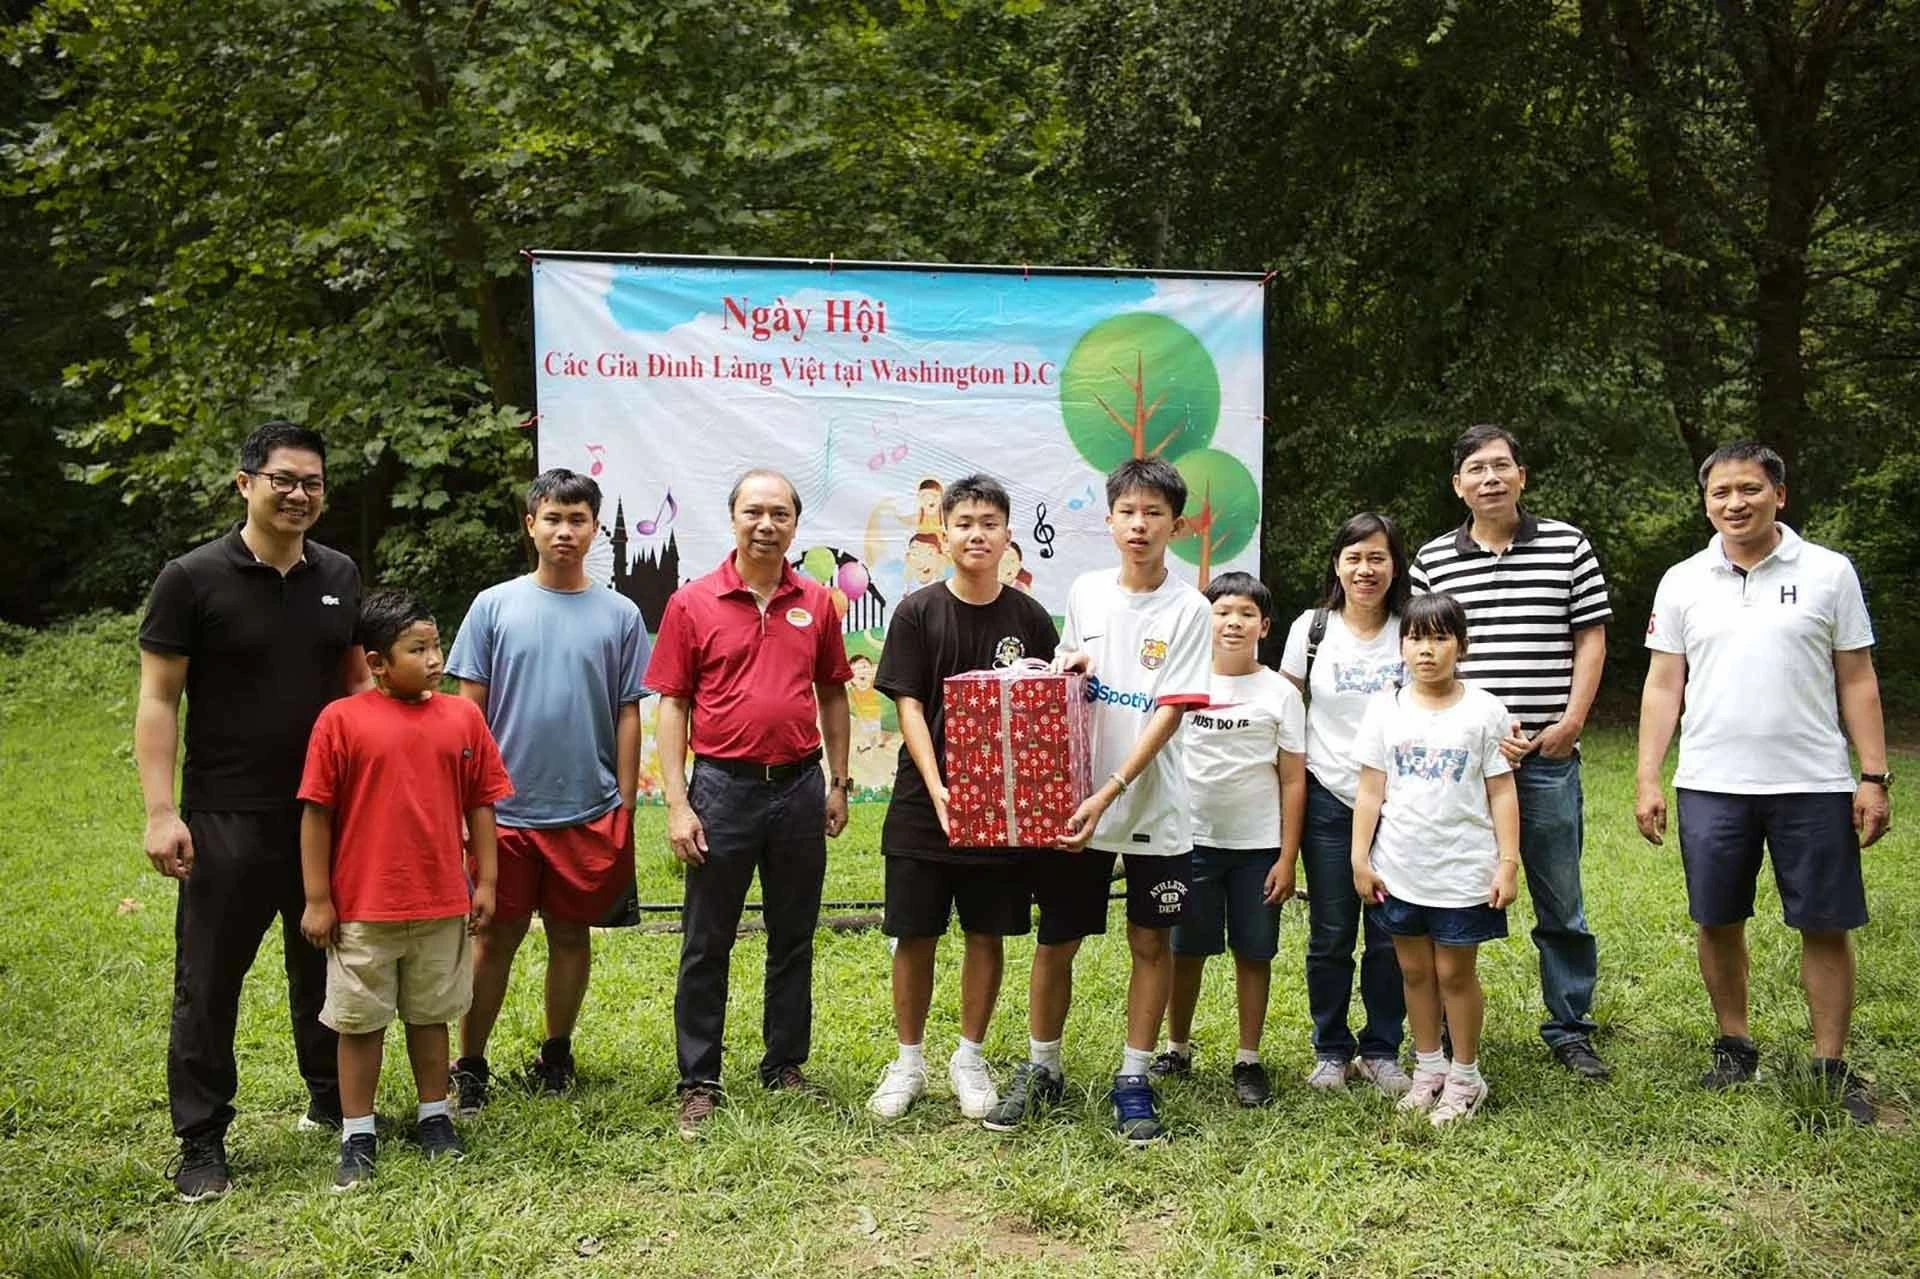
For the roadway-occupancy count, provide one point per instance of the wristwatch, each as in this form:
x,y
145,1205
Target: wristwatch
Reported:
x,y
1883,780
841,783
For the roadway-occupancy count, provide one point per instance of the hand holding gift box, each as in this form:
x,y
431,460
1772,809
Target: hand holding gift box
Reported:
x,y
1019,755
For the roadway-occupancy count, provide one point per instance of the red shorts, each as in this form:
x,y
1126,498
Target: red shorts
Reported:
x,y
569,873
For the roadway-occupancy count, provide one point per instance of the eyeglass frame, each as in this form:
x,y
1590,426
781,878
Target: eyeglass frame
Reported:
x,y
311,485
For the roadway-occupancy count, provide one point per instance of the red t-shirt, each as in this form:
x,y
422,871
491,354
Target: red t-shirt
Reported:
x,y
750,675
399,777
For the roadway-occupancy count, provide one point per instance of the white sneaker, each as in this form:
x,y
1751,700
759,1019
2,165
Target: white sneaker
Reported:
x,y
1424,1091
1385,1074
900,1087
1330,1074
1458,1101
972,1086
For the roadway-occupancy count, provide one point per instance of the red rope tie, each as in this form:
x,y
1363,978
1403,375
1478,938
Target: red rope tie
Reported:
x,y
1267,279
528,423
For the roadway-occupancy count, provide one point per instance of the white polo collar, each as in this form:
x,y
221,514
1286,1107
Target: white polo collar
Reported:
x,y
1786,552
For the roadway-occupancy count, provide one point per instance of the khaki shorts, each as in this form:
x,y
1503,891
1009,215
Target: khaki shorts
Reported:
x,y
421,969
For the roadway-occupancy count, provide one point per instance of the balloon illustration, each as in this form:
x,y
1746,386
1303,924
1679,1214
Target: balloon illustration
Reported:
x,y
839,602
853,579
818,563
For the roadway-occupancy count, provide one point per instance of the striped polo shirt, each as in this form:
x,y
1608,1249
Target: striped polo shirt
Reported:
x,y
1523,606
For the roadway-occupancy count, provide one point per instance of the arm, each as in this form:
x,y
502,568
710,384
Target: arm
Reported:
x,y
835,730
1160,730
318,924
1859,690
354,675
1660,699
1557,740
156,741
685,835
1293,812
1503,798
483,841
475,693
626,753
919,740
1366,820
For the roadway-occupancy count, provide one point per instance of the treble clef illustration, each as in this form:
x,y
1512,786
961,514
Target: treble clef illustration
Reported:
x,y
1042,531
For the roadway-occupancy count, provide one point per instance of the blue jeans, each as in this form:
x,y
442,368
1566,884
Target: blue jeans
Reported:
x,y
1551,832
1333,926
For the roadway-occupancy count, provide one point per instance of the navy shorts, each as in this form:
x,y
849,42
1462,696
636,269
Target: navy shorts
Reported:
x,y
1447,925
1071,890
1810,839
991,897
1228,905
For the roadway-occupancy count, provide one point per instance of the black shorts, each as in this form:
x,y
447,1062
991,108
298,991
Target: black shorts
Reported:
x,y
1810,838
991,897
1072,888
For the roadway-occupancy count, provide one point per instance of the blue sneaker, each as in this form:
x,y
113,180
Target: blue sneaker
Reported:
x,y
1134,1118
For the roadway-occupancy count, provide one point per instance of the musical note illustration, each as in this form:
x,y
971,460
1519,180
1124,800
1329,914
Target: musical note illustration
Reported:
x,y
1042,531
886,457
599,464
1078,502
647,528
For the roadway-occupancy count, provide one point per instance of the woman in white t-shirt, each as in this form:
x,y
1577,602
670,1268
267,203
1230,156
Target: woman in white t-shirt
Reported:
x,y
1436,846
1356,655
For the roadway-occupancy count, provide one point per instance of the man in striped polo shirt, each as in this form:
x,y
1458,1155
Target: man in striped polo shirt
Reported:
x,y
1536,626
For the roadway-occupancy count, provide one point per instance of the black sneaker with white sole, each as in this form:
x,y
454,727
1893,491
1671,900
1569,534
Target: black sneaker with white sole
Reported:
x,y
1578,1056
471,1082
320,1117
1251,1087
439,1139
1736,1060
552,1071
199,1171
1032,1087
1171,1065
357,1155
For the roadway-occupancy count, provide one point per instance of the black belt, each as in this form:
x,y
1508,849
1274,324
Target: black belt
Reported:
x,y
764,772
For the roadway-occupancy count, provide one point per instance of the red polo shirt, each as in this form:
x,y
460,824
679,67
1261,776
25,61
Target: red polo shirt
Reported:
x,y
749,675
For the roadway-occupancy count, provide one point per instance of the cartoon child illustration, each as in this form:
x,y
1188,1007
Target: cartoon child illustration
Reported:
x,y
1013,571
866,703
925,558
928,498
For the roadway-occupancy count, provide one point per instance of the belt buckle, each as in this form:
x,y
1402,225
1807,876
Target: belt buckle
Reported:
x,y
766,773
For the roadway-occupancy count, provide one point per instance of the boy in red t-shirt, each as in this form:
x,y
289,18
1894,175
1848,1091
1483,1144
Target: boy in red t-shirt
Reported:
x,y
390,773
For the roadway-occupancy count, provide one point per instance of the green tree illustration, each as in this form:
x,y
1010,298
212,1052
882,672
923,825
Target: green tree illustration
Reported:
x,y
1138,385
1223,508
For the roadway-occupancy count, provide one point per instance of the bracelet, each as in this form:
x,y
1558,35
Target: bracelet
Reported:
x,y
1119,781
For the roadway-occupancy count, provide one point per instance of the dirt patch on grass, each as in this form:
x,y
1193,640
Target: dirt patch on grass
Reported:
x,y
945,1234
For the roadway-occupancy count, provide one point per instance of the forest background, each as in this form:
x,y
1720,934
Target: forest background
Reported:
x,y
1627,229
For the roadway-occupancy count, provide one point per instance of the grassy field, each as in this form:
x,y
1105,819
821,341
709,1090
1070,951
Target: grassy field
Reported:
x,y
1641,1177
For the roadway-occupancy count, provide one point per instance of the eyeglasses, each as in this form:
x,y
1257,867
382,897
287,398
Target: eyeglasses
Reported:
x,y
283,483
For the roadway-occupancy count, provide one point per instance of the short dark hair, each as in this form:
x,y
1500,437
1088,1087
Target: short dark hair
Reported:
x,y
1478,437
1225,584
385,616
563,488
860,657
1434,614
1747,451
1153,475
975,488
1358,529
763,473
277,434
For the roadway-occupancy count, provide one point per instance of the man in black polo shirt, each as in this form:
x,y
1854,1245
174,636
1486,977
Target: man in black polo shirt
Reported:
x,y
257,629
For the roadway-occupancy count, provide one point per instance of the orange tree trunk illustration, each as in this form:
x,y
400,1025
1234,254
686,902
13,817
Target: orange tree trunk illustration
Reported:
x,y
1201,526
1136,426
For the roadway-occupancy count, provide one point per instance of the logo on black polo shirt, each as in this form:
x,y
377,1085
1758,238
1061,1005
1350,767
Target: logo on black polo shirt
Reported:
x,y
1009,650
332,601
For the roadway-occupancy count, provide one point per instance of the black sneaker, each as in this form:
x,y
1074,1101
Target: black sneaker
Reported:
x,y
1849,1087
550,1072
1135,1117
1251,1087
1736,1059
199,1171
357,1154
470,1080
1031,1087
1171,1065
320,1118
438,1139
1578,1056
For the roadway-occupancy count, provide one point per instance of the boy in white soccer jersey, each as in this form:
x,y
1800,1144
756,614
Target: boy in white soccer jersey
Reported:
x,y
1144,637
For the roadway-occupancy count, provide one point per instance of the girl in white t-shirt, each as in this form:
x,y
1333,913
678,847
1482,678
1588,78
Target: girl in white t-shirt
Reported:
x,y
1436,846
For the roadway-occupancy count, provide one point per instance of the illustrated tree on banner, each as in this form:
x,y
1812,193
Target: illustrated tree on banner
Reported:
x,y
1142,385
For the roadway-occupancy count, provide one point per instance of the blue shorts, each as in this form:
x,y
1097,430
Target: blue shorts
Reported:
x,y
1447,925
1809,837
1227,904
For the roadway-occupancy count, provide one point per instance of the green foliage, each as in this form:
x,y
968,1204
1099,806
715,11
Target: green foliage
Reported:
x,y
1223,508
1138,385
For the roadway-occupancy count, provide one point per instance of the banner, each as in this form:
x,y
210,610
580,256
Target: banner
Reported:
x,y
873,386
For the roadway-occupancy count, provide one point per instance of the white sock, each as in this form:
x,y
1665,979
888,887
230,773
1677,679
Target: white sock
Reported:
x,y
914,1056
356,1126
1180,1047
1134,1061
1433,1063
967,1051
1247,1057
1465,1072
1044,1052
428,1109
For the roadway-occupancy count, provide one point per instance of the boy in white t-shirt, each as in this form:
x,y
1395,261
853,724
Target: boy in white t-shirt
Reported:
x,y
1446,863
1143,636
1247,771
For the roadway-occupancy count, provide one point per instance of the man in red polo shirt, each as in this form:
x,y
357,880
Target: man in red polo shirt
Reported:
x,y
751,658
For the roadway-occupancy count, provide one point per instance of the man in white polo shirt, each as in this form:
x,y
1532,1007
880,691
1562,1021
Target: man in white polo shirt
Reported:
x,y
1765,639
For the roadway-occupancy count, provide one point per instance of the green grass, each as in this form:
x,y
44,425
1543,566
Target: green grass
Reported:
x,y
1645,1176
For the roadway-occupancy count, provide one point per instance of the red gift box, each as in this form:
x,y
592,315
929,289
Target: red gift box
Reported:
x,y
1019,756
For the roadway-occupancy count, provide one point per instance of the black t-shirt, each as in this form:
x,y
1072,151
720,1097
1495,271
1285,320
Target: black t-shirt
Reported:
x,y
935,634
263,656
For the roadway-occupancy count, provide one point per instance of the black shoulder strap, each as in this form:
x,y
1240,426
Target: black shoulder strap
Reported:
x,y
1316,631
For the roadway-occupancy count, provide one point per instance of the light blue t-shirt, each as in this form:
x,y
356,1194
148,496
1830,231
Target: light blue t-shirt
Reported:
x,y
558,666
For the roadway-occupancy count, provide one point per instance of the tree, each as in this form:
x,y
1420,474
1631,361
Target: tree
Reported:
x,y
1138,385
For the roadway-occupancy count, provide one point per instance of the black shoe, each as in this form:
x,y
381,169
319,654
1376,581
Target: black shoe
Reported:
x,y
794,1080
1849,1087
1251,1087
357,1154
1735,1061
1031,1087
1171,1065
320,1118
1578,1056
550,1072
470,1080
199,1171
438,1139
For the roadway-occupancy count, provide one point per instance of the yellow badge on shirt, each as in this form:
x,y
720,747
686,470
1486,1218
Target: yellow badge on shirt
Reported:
x,y
1153,653
800,617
